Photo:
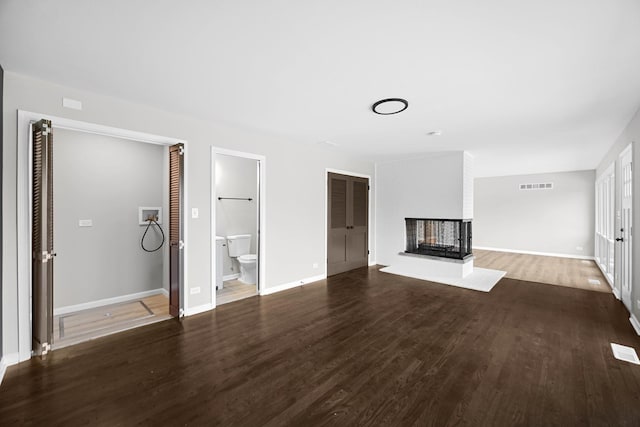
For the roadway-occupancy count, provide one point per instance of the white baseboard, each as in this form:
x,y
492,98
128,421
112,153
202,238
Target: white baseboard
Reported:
x,y
3,369
6,361
290,285
635,323
616,293
372,263
517,251
197,310
107,301
230,277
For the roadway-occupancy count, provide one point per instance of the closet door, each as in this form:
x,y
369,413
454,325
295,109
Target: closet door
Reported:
x,y
357,233
42,238
347,218
176,240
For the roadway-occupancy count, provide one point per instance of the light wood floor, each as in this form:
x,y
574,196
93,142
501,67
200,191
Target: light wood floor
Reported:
x,y
73,328
234,290
569,272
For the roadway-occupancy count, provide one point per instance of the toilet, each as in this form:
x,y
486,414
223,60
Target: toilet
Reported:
x,y
239,247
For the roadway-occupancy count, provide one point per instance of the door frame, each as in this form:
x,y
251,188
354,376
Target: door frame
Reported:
x,y
370,217
628,150
24,208
262,222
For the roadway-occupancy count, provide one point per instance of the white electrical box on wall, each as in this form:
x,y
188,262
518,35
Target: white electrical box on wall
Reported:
x,y
145,212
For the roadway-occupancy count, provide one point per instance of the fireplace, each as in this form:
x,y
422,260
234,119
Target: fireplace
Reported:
x,y
444,238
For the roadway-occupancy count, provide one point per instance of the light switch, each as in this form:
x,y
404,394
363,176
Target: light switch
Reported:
x,y
194,213
85,223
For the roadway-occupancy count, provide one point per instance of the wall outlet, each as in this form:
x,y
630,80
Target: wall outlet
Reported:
x,y
315,265
195,290
195,213
579,248
85,223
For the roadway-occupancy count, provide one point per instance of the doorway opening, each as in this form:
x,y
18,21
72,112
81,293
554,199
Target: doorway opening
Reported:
x,y
110,201
237,214
118,263
347,222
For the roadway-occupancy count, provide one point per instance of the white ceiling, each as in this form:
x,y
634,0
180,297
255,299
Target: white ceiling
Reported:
x,y
526,87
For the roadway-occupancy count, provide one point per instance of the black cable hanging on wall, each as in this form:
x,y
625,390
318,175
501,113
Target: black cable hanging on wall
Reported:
x,y
151,221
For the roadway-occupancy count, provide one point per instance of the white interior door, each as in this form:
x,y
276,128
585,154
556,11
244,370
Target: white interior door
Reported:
x,y
624,238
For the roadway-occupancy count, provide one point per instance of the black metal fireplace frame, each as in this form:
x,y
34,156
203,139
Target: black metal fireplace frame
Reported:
x,y
462,250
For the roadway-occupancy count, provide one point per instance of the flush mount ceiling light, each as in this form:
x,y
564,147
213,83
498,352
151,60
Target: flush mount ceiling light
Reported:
x,y
389,106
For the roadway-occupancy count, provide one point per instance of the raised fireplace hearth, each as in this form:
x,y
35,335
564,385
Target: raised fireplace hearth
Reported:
x,y
435,237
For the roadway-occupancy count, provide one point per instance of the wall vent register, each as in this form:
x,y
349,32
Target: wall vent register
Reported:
x,y
537,186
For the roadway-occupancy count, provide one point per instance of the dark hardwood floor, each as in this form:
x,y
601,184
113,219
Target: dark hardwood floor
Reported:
x,y
362,348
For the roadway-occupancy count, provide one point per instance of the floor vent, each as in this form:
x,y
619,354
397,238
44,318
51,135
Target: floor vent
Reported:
x,y
622,352
537,186
594,282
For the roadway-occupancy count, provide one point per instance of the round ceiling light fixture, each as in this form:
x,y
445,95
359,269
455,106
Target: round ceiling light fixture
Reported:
x,y
389,106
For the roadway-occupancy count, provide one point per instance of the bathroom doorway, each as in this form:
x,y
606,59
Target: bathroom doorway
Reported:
x,y
237,230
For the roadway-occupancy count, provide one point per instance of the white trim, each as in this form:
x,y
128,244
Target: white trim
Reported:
x,y
233,276
371,226
294,284
372,263
517,251
635,323
616,293
610,170
184,295
262,217
606,276
3,369
11,358
619,265
197,310
107,301
6,361
25,118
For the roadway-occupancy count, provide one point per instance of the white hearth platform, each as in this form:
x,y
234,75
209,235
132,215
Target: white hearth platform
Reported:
x,y
480,279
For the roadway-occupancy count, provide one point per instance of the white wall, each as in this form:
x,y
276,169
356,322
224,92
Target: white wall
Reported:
x,y
236,177
554,221
105,180
468,191
295,185
427,187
